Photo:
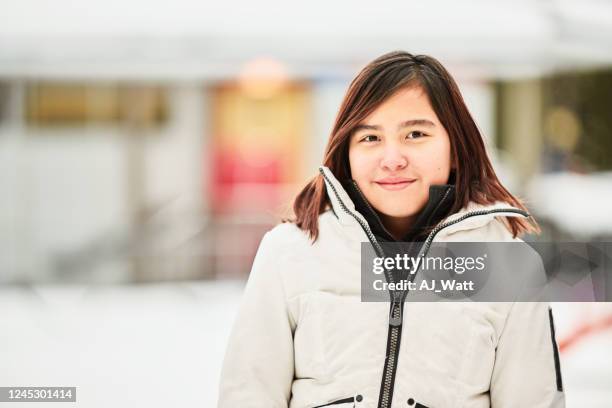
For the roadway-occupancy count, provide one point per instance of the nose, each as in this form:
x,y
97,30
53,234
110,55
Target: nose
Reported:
x,y
393,159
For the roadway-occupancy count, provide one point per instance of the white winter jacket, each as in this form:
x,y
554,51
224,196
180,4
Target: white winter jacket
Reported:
x,y
303,338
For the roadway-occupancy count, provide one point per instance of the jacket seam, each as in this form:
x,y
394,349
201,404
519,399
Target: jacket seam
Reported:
x,y
501,333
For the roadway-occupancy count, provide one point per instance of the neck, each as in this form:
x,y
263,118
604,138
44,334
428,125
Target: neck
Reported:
x,y
397,226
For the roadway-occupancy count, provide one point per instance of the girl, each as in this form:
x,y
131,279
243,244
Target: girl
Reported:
x,y
405,162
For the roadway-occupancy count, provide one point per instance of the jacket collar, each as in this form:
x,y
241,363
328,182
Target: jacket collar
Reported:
x,y
437,207
471,216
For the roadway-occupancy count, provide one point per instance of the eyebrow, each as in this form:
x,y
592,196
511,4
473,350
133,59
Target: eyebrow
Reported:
x,y
406,123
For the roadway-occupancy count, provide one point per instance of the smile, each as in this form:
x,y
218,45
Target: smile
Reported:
x,y
396,186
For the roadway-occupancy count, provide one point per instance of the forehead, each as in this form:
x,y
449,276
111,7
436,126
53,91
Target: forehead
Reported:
x,y
405,104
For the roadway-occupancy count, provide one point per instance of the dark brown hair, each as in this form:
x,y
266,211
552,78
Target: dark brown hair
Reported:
x,y
475,179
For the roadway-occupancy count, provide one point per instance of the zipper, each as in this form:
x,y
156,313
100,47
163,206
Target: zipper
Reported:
x,y
377,248
446,193
398,297
440,227
367,203
394,337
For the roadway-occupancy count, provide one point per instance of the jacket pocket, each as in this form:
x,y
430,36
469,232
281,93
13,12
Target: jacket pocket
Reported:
x,y
555,351
349,400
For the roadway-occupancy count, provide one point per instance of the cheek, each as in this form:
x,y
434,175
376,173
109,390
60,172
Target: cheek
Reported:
x,y
438,163
361,165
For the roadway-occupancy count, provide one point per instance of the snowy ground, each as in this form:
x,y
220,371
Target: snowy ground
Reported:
x,y
161,345
141,346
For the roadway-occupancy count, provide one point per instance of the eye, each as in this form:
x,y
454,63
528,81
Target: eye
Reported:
x,y
365,139
416,134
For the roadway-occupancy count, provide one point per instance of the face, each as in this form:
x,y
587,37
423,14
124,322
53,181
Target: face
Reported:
x,y
397,152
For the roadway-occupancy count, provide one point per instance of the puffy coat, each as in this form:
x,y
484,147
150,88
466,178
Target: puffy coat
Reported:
x,y
303,337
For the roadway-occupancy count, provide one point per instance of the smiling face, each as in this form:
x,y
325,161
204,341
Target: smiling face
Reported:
x,y
396,153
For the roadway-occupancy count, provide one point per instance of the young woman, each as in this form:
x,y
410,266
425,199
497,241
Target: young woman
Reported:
x,y
405,162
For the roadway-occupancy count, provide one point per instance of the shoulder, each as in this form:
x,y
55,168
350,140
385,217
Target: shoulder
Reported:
x,y
290,232
283,234
287,234
288,240
491,230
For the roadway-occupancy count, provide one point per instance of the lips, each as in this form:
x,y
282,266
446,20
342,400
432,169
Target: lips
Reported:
x,y
394,184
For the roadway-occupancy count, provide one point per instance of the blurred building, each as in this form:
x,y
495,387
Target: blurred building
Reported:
x,y
161,148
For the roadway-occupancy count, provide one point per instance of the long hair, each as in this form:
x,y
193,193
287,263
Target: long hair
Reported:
x,y
475,179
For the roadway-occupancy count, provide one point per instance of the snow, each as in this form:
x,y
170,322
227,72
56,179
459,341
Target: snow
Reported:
x,y
152,345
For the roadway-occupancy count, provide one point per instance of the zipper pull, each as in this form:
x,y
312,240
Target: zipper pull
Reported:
x,y
396,319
